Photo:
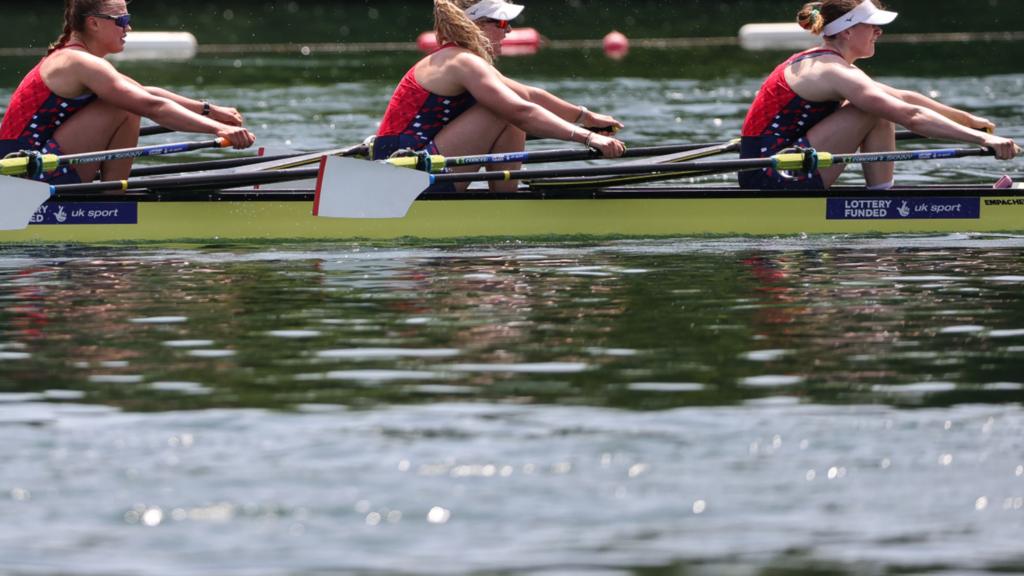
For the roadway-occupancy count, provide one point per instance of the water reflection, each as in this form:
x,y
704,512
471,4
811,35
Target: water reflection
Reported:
x,y
582,325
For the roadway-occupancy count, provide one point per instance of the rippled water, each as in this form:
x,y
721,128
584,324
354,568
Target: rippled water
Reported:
x,y
846,405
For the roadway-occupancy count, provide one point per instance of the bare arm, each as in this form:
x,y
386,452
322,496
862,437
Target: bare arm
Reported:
x,y
100,78
877,99
564,110
222,114
489,89
961,117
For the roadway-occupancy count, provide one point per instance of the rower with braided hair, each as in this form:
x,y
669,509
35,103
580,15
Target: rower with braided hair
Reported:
x,y
455,102
74,101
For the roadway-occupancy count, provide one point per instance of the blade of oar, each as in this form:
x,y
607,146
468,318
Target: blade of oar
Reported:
x,y
357,189
382,190
50,162
20,199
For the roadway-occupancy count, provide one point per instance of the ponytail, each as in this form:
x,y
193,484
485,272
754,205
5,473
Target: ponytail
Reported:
x,y
451,25
814,16
810,18
75,13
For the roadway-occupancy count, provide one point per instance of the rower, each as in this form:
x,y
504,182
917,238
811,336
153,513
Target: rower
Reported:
x,y
74,101
455,102
819,99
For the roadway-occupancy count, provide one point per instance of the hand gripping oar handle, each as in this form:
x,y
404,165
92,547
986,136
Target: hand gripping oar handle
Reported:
x,y
50,162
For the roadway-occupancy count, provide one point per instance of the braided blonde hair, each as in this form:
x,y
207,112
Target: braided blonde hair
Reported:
x,y
75,13
814,16
451,25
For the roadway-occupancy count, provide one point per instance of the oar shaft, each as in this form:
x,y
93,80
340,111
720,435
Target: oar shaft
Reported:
x,y
158,150
790,162
437,162
50,162
217,181
677,168
154,130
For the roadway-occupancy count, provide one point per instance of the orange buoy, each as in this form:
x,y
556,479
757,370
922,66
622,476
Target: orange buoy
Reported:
x,y
518,42
616,45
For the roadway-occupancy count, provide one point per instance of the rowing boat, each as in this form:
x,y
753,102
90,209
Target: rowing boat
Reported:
x,y
210,216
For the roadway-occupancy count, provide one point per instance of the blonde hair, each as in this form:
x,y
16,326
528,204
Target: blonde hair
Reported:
x,y
451,25
814,16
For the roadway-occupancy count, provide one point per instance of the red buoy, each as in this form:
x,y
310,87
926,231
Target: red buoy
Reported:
x,y
518,42
616,45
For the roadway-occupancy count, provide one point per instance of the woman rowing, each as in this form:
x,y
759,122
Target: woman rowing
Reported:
x,y
74,101
455,102
819,99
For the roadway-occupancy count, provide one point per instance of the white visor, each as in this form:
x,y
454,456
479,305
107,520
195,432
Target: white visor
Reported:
x,y
493,9
866,13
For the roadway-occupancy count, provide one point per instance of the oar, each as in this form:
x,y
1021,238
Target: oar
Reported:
x,y
438,163
154,130
274,162
349,188
50,162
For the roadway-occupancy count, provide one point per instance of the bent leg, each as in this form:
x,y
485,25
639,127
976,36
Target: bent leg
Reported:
x,y
100,126
848,130
480,131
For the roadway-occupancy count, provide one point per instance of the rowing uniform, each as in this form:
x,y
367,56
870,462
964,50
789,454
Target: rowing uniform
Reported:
x,y
415,116
33,117
780,119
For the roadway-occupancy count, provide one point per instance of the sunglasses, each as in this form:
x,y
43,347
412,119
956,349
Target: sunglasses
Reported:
x,y
500,24
122,21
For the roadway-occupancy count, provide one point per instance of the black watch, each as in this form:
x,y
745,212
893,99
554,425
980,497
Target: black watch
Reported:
x,y
206,108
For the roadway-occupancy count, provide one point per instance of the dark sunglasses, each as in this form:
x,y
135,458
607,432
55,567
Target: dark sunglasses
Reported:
x,y
501,24
121,21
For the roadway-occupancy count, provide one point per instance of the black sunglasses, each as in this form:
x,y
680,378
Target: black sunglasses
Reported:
x,y
122,21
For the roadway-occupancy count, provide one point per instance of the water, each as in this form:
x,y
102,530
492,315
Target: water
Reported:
x,y
823,405
672,407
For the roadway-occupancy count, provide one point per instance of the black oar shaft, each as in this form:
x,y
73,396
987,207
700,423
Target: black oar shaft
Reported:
x,y
154,130
217,181
207,165
680,167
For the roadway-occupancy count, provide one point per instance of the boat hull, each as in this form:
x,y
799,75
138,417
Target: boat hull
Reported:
x,y
655,213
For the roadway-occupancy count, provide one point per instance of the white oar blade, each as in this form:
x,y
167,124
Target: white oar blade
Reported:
x,y
351,188
19,199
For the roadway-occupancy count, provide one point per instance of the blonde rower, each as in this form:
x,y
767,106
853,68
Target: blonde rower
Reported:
x,y
455,102
75,101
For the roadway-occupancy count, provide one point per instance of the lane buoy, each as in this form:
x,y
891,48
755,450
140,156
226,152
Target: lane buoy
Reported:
x,y
776,36
616,45
158,46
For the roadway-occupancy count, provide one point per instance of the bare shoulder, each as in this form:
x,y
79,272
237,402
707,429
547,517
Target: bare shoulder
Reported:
x,y
77,62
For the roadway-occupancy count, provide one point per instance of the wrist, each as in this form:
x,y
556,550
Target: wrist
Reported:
x,y
581,115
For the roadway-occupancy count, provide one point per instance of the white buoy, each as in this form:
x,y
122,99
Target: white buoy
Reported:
x,y
158,46
776,36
